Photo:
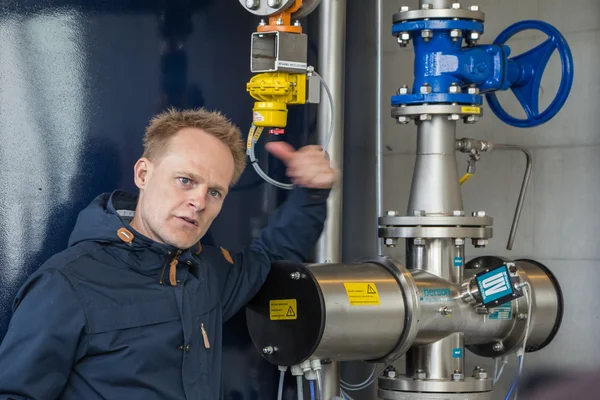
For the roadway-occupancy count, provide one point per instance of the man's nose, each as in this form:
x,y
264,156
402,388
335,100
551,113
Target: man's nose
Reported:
x,y
198,197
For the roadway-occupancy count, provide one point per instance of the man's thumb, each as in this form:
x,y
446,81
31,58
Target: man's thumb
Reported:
x,y
282,150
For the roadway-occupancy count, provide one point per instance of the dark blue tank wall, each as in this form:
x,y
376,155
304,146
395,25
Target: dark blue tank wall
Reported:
x,y
79,80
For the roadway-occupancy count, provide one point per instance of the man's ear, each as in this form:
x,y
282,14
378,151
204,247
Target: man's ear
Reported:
x,y
142,171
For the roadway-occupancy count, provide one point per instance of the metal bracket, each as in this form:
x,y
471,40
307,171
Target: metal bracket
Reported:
x,y
278,51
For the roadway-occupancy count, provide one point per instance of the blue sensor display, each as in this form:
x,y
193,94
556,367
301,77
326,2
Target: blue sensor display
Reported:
x,y
495,286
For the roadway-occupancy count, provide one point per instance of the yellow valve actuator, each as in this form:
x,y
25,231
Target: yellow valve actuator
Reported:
x,y
274,91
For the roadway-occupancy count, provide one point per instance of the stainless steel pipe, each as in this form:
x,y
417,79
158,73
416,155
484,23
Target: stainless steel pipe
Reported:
x,y
332,30
435,185
332,34
365,311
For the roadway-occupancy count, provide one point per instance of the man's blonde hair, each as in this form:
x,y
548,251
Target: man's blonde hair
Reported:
x,y
166,124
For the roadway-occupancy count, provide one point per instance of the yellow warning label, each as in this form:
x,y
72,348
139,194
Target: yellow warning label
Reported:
x,y
283,309
258,133
362,294
470,110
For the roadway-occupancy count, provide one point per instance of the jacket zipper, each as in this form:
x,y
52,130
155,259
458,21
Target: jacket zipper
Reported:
x,y
204,336
173,264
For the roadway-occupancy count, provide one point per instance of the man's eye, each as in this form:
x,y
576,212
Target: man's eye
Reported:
x,y
215,193
185,181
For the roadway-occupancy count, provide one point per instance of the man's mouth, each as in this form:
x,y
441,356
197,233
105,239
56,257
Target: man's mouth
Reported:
x,y
189,220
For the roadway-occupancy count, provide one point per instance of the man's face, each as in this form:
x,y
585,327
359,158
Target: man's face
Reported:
x,y
182,191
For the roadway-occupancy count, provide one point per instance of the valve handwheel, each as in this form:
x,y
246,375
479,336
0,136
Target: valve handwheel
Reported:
x,y
525,73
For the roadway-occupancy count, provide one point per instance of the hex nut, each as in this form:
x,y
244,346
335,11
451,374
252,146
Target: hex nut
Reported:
x,y
391,242
471,119
455,33
480,242
457,376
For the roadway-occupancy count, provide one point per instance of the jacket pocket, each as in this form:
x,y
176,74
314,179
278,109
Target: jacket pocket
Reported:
x,y
205,340
134,339
132,316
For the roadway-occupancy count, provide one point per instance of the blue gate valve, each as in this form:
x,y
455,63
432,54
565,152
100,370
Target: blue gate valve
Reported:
x,y
525,73
444,68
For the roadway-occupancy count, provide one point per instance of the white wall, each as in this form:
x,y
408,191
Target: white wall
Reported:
x,y
560,224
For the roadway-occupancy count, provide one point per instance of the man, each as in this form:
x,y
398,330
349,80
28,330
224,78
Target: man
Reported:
x,y
133,309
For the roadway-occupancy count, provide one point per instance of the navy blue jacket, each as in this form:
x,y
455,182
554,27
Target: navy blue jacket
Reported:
x,y
101,319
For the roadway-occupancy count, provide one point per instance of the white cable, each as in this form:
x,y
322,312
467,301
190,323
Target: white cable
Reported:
x,y
280,391
319,386
358,386
495,368
528,296
529,307
363,385
332,110
504,362
252,139
300,390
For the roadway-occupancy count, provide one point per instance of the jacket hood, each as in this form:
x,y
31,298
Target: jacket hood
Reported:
x,y
103,219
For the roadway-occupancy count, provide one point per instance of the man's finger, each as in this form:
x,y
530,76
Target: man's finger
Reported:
x,y
282,150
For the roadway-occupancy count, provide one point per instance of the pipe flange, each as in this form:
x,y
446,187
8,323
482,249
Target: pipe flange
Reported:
x,y
436,220
393,395
307,7
460,111
266,8
412,306
435,232
434,13
406,384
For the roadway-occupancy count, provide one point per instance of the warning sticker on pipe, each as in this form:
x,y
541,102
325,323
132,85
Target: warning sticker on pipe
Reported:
x,y
283,309
362,294
470,110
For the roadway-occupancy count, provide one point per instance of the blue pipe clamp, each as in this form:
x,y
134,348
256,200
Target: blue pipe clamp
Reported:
x,y
445,68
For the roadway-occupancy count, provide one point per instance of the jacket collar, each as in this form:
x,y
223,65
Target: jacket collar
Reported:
x,y
107,220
